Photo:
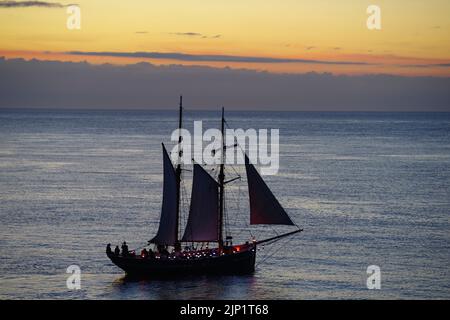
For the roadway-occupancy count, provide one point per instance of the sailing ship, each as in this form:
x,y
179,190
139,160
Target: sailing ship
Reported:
x,y
205,223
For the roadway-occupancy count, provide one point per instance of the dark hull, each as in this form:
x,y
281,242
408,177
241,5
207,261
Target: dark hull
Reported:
x,y
233,263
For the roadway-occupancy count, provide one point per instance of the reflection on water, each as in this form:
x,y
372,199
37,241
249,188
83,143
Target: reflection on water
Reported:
x,y
368,188
213,287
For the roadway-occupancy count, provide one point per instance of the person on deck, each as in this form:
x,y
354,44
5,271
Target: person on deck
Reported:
x,y
108,249
117,251
124,249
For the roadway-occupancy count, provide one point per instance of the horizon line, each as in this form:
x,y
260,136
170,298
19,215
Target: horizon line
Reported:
x,y
175,108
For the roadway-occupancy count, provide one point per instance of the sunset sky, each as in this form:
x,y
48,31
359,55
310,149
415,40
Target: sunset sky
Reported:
x,y
291,36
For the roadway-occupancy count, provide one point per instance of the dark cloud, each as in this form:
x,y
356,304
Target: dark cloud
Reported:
x,y
187,34
196,34
429,65
27,4
209,58
54,84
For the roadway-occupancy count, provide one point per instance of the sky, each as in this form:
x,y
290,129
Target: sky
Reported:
x,y
279,37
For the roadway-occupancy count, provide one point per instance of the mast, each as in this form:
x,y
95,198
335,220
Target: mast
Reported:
x,y
222,182
178,171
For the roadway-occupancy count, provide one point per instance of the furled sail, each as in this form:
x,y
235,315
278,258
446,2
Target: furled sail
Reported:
x,y
264,207
167,225
203,221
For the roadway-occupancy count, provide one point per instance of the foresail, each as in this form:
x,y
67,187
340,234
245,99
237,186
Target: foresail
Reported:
x,y
167,225
264,207
203,221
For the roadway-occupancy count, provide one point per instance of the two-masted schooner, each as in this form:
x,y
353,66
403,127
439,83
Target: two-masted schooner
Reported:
x,y
205,224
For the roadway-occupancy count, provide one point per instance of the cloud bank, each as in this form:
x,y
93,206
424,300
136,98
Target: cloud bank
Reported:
x,y
55,84
208,58
188,34
27,4
196,35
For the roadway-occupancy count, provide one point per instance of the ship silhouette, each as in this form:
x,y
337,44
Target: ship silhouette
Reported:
x,y
205,223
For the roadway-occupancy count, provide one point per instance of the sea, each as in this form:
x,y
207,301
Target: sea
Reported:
x,y
369,189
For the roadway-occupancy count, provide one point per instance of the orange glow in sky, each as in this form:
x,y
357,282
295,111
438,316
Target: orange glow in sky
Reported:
x,y
414,38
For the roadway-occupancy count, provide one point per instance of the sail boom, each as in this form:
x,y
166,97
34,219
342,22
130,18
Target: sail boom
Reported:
x,y
278,237
232,180
199,241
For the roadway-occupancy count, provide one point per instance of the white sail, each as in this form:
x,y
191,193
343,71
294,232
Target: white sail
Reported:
x,y
203,221
264,207
167,225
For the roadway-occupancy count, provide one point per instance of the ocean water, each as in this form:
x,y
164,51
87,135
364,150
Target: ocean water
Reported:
x,y
368,189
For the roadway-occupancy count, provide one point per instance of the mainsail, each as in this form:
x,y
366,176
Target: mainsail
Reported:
x,y
167,226
264,207
203,221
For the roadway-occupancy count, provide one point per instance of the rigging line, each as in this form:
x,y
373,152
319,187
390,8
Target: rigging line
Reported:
x,y
274,230
245,218
225,211
215,172
238,207
237,195
237,174
230,220
234,195
235,219
289,239
238,200
235,144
